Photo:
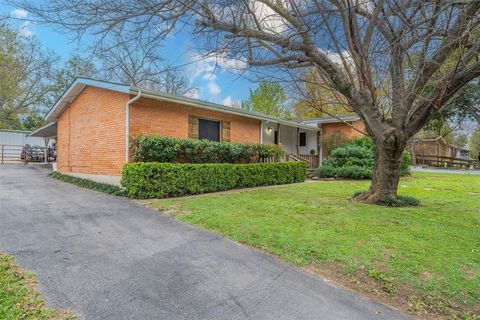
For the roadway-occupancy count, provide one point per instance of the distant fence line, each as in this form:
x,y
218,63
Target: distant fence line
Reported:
x,y
441,161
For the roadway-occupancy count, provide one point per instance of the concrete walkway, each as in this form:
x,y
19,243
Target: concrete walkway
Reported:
x,y
439,170
104,257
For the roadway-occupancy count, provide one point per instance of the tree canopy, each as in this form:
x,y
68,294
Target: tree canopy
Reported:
x,y
268,98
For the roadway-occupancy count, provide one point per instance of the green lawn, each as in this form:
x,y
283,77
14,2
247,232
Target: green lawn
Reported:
x,y
18,297
422,259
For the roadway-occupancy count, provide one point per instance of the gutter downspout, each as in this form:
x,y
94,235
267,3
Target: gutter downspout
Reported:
x,y
127,124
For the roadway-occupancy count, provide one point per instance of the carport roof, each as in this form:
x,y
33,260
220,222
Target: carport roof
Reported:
x,y
47,131
80,83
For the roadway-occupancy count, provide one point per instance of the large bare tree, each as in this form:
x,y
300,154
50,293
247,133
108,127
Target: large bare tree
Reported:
x,y
425,51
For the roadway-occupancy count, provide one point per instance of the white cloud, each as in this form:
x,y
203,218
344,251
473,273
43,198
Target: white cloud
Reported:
x,y
19,13
338,58
213,88
24,27
194,93
229,102
268,19
25,31
205,65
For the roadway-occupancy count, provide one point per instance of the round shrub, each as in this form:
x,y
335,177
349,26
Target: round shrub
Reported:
x,y
355,160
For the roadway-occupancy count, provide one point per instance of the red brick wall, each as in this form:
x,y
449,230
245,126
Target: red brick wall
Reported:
x,y
329,128
153,117
91,133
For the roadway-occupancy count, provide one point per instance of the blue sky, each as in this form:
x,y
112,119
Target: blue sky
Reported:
x,y
216,82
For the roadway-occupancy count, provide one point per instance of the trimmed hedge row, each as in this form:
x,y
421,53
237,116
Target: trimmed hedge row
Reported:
x,y
166,149
89,184
145,180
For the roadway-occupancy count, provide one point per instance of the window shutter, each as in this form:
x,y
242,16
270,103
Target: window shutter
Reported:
x,y
193,127
226,131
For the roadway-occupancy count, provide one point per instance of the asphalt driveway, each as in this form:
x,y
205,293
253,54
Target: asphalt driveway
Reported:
x,y
104,257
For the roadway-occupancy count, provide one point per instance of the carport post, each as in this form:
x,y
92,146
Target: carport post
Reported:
x,y
45,153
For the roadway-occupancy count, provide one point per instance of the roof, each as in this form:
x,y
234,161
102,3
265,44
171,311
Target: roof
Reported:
x,y
431,139
15,131
441,139
48,130
80,83
330,119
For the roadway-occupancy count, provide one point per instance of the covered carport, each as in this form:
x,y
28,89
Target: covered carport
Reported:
x,y
48,132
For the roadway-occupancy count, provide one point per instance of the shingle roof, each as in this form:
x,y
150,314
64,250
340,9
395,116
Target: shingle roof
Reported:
x,y
80,83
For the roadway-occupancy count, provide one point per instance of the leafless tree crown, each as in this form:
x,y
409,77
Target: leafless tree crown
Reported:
x,y
395,61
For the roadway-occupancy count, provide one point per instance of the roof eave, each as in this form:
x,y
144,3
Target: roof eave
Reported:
x,y
217,107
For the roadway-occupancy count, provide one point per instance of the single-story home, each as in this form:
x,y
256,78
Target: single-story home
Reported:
x,y
94,120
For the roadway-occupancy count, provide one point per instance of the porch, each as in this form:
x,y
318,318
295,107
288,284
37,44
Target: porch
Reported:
x,y
301,143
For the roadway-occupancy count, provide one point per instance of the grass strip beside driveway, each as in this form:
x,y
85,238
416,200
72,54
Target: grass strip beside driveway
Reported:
x,y
19,298
425,260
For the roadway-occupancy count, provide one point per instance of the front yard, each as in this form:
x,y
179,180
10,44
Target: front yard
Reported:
x,y
425,260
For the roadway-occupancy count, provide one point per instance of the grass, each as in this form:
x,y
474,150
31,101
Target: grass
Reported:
x,y
425,259
18,297
89,184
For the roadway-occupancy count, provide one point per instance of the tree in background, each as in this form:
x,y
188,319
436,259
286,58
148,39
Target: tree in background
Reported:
x,y
138,62
26,71
317,100
270,99
474,144
75,66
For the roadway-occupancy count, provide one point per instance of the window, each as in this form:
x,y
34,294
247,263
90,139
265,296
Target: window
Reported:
x,y
303,139
208,129
276,137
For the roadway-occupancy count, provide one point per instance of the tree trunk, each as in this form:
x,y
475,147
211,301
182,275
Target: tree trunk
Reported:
x,y
386,174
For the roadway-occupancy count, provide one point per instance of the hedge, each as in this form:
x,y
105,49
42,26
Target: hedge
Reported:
x,y
166,149
89,184
145,180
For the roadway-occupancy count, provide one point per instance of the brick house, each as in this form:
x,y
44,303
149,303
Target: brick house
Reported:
x,y
350,126
94,120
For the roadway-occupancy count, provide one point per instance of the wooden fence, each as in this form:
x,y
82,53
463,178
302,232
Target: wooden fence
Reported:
x,y
445,162
10,153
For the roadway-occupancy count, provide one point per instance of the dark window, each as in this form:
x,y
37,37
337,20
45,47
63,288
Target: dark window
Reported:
x,y
208,129
276,137
303,139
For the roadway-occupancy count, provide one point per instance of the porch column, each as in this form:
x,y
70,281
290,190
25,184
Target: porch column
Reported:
x,y
319,144
278,133
298,141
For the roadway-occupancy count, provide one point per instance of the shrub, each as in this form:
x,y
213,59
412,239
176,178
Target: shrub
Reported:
x,y
355,160
332,141
89,184
146,180
166,149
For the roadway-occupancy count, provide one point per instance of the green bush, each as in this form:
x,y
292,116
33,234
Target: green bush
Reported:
x,y
355,160
89,184
144,180
332,141
166,149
